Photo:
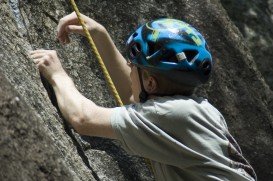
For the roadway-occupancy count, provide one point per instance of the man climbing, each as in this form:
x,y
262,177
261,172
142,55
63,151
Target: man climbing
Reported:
x,y
184,136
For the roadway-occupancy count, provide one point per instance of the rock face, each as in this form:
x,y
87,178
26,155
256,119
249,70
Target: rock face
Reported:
x,y
26,148
237,88
31,25
255,21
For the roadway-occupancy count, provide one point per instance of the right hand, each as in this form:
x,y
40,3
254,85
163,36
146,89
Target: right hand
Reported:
x,y
48,63
70,24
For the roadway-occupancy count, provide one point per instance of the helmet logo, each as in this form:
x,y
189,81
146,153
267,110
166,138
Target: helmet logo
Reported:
x,y
173,48
155,35
193,36
174,26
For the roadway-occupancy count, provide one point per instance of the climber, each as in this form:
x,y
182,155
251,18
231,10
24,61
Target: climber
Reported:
x,y
183,135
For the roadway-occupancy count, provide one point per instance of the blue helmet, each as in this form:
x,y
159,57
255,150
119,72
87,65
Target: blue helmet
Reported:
x,y
172,48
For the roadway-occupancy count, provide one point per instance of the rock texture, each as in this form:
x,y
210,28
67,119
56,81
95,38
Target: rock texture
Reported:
x,y
31,25
237,88
27,151
255,21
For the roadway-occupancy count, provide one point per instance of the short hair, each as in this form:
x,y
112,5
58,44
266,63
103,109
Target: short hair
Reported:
x,y
166,86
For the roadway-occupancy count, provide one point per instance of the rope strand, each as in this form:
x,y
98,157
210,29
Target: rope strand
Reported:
x,y
97,55
104,69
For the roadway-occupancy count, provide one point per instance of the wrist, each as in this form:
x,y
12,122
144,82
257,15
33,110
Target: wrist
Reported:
x,y
99,30
60,79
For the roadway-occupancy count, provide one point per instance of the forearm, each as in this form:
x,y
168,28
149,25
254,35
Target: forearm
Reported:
x,y
68,97
115,63
85,116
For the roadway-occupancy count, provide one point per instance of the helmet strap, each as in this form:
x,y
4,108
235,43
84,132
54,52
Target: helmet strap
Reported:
x,y
143,96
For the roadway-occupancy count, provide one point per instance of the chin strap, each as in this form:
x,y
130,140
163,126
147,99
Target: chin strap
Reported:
x,y
143,96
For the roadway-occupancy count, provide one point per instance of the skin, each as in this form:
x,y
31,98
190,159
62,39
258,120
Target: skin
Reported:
x,y
83,114
114,61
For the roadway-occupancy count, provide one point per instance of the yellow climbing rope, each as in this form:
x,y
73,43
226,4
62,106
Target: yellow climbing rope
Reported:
x,y
95,51
104,69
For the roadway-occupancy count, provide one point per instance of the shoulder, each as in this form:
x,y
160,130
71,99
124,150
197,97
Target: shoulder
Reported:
x,y
172,109
134,113
178,104
187,109
162,106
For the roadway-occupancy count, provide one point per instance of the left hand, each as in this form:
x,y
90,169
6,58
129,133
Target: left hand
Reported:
x,y
48,63
70,24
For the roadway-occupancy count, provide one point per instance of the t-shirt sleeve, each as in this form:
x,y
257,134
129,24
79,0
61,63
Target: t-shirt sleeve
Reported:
x,y
136,133
140,136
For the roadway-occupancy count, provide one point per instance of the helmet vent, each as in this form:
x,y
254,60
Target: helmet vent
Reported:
x,y
152,48
191,54
135,50
135,34
206,67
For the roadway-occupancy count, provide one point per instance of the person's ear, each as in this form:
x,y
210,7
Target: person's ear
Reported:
x,y
151,85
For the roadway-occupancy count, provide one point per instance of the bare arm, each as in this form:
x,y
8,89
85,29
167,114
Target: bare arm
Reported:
x,y
85,116
114,61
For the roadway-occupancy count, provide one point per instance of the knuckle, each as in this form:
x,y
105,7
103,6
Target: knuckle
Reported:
x,y
40,66
46,58
46,62
50,55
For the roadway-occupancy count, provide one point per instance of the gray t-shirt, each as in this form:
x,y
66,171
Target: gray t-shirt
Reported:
x,y
185,138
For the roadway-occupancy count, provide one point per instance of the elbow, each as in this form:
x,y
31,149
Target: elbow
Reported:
x,y
81,118
78,123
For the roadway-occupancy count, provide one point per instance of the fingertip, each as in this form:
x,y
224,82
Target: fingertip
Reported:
x,y
40,64
30,52
60,39
57,35
64,42
29,55
67,41
36,61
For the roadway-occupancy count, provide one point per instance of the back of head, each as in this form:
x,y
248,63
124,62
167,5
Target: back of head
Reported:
x,y
172,49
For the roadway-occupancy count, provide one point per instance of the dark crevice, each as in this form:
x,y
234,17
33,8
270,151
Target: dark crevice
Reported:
x,y
53,99
51,17
21,24
80,150
67,128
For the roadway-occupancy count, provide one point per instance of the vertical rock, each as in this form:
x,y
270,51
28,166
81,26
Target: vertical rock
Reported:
x,y
237,88
27,151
